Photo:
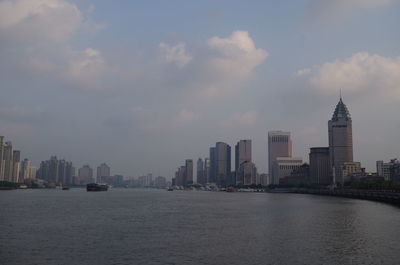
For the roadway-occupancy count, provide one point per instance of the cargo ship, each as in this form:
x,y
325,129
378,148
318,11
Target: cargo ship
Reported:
x,y
96,187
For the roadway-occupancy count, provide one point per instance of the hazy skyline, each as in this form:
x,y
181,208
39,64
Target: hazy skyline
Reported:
x,y
144,85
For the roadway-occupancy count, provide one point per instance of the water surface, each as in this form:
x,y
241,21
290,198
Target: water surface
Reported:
x,y
133,226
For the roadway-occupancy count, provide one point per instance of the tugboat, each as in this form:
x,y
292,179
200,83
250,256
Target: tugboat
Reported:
x,y
96,187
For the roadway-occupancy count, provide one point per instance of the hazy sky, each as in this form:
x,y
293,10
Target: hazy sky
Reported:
x,y
143,85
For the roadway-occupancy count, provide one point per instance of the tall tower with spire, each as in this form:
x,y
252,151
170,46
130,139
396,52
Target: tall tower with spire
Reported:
x,y
340,140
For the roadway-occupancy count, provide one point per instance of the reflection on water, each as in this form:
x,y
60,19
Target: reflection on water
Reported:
x,y
132,226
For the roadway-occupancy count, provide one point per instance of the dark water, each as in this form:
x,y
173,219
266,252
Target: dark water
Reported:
x,y
132,226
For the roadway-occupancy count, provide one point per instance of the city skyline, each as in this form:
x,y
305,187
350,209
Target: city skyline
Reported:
x,y
160,82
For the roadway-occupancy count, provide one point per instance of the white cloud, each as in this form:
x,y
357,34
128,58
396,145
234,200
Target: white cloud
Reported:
x,y
362,72
175,54
39,20
87,68
236,55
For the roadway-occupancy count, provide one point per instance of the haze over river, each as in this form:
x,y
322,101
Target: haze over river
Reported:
x,y
134,226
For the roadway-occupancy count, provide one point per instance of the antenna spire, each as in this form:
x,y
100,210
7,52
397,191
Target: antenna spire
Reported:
x,y
340,93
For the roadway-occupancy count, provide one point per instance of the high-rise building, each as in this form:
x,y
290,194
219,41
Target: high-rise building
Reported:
x,y
85,174
279,145
223,164
242,155
206,170
383,169
320,168
25,172
8,161
340,140
1,158
213,166
188,172
247,174
201,176
16,165
103,171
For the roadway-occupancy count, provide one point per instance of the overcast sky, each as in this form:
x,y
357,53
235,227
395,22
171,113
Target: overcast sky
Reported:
x,y
143,85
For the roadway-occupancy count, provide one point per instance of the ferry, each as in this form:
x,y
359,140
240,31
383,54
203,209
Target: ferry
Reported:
x,y
96,187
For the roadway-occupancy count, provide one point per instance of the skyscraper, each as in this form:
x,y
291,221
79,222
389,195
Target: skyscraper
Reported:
x,y
206,170
279,145
1,158
85,174
188,172
8,161
103,171
242,155
201,176
213,166
16,165
223,164
340,140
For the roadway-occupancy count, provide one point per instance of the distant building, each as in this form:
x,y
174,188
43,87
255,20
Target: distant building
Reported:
x,y
320,170
8,161
188,172
103,171
299,176
279,145
283,166
223,164
201,174
213,166
349,171
207,170
264,179
340,140
16,166
85,175
160,182
242,155
1,158
383,169
395,171
247,174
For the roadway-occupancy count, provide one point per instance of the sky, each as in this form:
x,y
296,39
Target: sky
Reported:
x,y
144,85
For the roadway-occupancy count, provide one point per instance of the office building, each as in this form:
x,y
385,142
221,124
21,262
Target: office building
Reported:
x,y
103,171
206,170
279,145
85,174
188,172
320,170
201,174
223,164
283,166
247,174
242,155
383,169
16,165
340,140
213,166
1,158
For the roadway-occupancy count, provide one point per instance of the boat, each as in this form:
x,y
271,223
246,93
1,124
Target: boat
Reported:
x,y
96,187
170,189
65,188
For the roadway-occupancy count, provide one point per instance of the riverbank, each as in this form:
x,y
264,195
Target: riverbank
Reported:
x,y
371,195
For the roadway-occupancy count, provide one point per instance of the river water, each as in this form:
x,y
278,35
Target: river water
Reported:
x,y
134,226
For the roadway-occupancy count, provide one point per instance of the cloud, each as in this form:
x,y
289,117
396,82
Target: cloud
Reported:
x,y
361,73
185,116
39,21
175,54
236,55
87,68
22,115
337,10
248,118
